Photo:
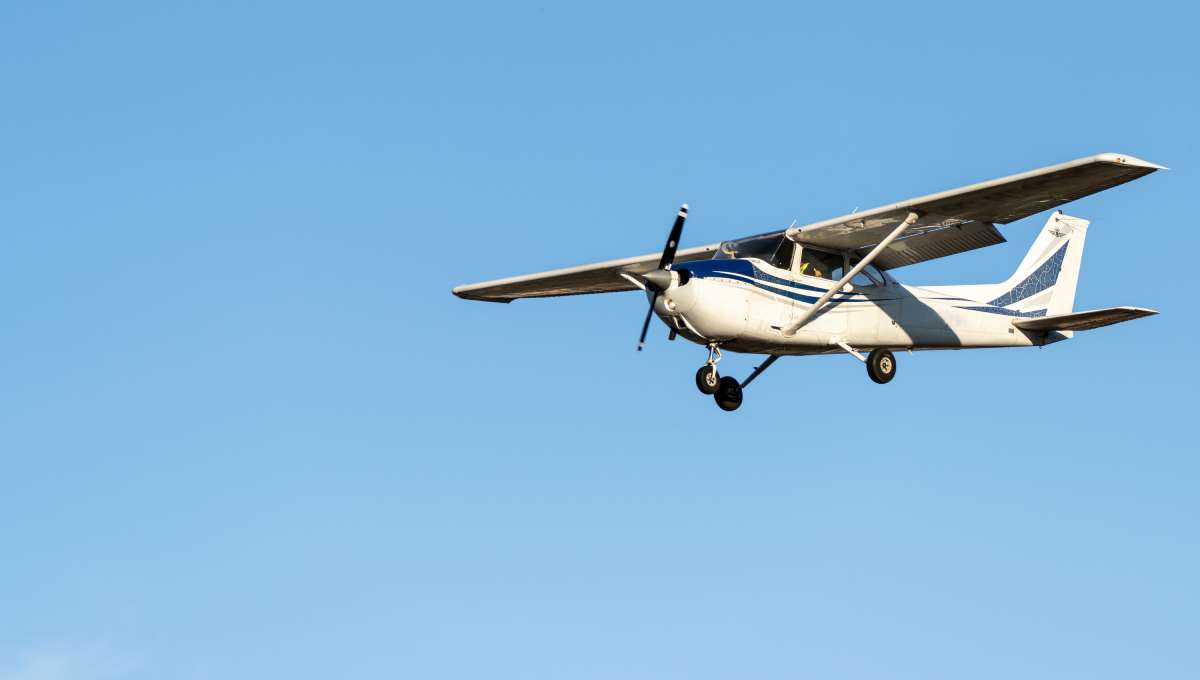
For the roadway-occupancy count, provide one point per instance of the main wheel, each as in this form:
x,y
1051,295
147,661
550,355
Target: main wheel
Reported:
x,y
707,379
729,394
881,365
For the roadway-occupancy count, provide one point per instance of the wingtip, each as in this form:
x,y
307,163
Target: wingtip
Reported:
x,y
1138,312
463,293
1126,159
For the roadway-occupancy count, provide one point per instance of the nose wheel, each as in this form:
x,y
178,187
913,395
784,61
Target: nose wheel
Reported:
x,y
707,378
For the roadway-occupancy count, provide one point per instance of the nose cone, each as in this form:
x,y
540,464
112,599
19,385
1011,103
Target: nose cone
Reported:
x,y
659,279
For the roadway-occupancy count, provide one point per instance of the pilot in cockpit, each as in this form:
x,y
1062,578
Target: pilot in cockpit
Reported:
x,y
814,263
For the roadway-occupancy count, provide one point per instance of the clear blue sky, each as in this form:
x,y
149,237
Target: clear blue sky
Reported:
x,y
246,431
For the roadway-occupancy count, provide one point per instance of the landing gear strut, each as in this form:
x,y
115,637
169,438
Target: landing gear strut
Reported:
x,y
707,378
881,366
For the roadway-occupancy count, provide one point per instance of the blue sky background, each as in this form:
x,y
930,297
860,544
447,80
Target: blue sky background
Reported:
x,y
246,431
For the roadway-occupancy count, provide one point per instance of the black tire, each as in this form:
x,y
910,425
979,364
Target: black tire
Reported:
x,y
881,366
707,379
729,394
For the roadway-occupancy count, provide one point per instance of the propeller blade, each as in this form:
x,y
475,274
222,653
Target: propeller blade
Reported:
x,y
668,255
659,279
646,324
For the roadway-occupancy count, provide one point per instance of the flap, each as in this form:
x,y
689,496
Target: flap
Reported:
x,y
935,243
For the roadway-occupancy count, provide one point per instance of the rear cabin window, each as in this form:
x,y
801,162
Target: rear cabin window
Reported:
x,y
869,277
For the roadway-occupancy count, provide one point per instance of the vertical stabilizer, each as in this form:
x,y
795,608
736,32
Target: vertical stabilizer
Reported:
x,y
1045,280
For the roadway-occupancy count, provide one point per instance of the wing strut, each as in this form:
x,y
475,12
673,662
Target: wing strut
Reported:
x,y
759,369
887,241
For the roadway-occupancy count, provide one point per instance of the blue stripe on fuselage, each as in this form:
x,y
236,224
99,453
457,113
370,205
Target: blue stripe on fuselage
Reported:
x,y
1005,312
746,272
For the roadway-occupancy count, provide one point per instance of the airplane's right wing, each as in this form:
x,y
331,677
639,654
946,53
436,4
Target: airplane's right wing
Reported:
x,y
598,277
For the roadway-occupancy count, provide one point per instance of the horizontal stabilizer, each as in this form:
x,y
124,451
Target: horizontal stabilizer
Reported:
x,y
1083,321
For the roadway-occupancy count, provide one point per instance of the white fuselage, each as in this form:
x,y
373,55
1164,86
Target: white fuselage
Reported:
x,y
745,305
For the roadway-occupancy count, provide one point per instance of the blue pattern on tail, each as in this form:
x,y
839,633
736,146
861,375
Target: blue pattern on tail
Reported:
x,y
1042,278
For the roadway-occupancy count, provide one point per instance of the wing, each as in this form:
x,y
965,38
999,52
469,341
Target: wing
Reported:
x,y
600,277
950,222
1083,321
962,219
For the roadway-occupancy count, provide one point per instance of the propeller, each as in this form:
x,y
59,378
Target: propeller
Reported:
x,y
659,279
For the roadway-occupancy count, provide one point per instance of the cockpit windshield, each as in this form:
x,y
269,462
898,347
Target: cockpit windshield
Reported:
x,y
779,251
762,247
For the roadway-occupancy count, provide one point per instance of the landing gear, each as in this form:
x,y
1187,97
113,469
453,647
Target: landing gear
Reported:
x,y
707,378
729,394
881,366
726,391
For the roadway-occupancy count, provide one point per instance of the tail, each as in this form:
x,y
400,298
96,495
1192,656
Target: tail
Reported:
x,y
1040,295
1044,283
1045,280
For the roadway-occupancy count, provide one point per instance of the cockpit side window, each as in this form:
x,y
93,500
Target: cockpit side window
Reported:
x,y
819,263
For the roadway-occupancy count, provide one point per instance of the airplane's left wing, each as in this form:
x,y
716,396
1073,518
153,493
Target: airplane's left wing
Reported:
x,y
599,277
962,219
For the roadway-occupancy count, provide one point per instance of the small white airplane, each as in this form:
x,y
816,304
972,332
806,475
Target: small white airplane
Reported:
x,y
826,287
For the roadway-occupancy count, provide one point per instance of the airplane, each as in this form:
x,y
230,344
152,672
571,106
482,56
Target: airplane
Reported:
x,y
827,287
